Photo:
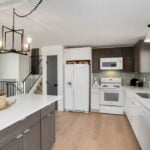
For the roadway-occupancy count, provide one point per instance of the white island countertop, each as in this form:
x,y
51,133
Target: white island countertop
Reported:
x,y
25,106
135,90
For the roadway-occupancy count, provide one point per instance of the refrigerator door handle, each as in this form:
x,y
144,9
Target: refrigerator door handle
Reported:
x,y
69,83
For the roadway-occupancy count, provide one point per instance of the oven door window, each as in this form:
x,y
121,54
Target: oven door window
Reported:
x,y
111,97
109,64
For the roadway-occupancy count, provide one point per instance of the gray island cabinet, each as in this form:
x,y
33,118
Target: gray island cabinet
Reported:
x,y
34,132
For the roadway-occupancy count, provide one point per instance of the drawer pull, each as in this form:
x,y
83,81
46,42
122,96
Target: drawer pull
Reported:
x,y
19,136
26,131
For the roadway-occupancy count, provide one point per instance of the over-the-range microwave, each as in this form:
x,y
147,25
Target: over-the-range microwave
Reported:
x,y
115,63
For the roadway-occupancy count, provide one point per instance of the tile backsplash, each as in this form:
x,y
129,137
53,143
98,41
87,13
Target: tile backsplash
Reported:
x,y
126,77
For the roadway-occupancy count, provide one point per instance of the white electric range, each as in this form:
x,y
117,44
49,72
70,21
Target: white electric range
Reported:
x,y
111,96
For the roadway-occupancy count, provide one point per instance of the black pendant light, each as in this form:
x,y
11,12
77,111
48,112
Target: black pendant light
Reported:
x,y
6,31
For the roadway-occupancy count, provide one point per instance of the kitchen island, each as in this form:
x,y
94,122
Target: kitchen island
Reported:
x,y
29,124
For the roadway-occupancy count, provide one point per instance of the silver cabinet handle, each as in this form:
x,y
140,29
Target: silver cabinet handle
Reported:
x,y
19,136
26,131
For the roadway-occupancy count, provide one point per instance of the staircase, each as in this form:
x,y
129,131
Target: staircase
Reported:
x,y
39,89
24,87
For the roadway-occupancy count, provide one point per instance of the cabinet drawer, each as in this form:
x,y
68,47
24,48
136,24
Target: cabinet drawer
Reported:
x,y
9,133
13,131
30,121
47,110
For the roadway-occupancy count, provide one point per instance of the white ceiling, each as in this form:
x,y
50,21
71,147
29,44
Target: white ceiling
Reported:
x,y
81,22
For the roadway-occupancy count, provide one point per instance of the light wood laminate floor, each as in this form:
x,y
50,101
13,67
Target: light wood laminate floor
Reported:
x,y
93,131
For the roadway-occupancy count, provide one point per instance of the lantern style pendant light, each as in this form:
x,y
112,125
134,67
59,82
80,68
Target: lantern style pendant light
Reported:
x,y
6,31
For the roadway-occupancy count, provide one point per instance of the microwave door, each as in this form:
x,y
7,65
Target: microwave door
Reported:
x,y
109,66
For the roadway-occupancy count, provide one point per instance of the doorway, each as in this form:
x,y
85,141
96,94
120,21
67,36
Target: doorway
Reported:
x,y
52,75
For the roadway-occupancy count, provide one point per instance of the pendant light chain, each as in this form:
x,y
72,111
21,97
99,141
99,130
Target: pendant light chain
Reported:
x,y
23,16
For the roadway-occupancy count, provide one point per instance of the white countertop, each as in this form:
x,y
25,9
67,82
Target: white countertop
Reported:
x,y
134,90
24,106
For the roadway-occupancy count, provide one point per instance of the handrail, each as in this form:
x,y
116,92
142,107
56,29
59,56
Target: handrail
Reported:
x,y
11,83
32,78
12,88
31,71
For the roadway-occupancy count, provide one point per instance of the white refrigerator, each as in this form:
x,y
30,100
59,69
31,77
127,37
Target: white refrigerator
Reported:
x,y
77,87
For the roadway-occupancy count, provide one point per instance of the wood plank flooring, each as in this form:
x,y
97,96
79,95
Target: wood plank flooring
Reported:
x,y
93,131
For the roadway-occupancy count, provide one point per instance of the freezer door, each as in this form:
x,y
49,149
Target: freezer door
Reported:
x,y
81,87
69,87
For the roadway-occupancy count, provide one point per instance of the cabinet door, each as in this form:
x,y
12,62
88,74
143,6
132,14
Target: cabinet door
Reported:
x,y
15,144
141,57
48,131
95,101
145,58
143,134
128,59
31,138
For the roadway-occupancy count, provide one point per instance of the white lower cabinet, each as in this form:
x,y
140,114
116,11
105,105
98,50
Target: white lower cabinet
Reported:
x,y
95,100
139,118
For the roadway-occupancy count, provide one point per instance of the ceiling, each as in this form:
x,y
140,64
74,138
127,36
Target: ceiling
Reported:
x,y
80,22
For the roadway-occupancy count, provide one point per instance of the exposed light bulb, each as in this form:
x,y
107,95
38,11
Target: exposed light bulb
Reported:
x,y
26,46
29,40
147,39
1,44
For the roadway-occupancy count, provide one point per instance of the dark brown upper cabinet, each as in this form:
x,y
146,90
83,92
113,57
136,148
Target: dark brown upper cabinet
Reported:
x,y
126,52
142,57
128,59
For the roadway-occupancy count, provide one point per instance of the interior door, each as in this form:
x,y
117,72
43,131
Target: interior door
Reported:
x,y
52,75
69,103
81,87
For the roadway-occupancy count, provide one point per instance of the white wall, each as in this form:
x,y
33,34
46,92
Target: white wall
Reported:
x,y
9,66
13,66
63,55
24,66
48,51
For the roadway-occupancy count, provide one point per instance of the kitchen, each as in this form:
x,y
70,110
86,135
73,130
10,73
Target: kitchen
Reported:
x,y
99,80
91,75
